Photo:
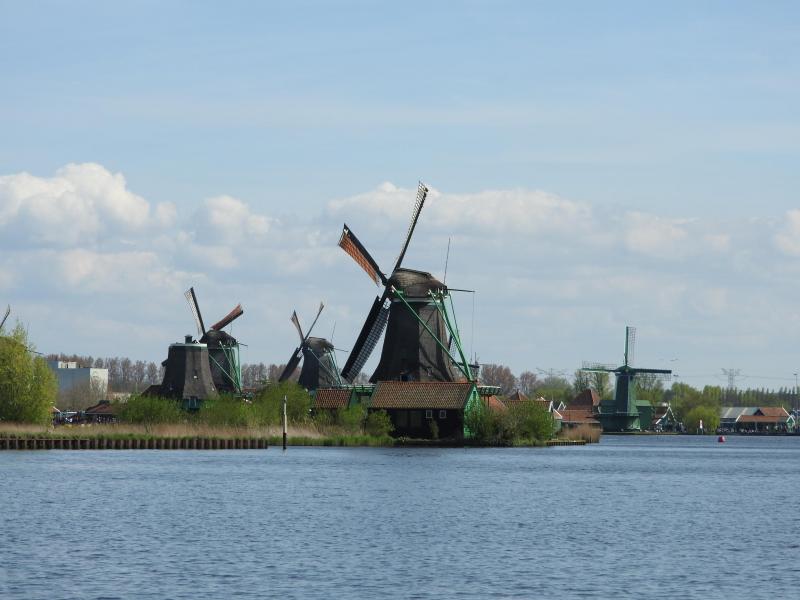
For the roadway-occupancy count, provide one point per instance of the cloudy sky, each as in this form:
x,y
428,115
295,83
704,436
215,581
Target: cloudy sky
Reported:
x,y
593,166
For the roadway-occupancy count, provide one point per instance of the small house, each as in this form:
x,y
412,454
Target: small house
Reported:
x,y
424,409
103,412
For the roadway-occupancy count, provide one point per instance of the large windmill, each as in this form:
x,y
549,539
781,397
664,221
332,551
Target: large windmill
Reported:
x,y
411,310
623,414
223,348
319,362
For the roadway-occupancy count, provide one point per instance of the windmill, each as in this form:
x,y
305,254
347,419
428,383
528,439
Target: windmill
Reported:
x,y
411,310
187,374
319,362
624,414
223,348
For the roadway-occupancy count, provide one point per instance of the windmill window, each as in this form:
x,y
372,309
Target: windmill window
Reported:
x,y
428,414
442,414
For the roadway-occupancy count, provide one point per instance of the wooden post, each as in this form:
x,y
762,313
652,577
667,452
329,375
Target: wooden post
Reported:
x,y
284,422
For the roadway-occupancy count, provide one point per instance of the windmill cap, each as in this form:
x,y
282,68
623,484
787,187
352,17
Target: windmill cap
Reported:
x,y
415,283
319,345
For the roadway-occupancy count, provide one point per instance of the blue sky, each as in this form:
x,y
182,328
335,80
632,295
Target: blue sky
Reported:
x,y
668,136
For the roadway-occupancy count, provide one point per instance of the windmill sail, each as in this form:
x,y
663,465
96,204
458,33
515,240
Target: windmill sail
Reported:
x,y
368,338
5,316
422,193
350,244
296,322
291,365
228,319
630,345
314,322
195,308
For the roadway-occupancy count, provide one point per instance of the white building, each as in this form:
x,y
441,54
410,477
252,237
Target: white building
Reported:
x,y
70,376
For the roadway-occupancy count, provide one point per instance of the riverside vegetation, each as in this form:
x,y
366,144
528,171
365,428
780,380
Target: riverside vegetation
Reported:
x,y
226,417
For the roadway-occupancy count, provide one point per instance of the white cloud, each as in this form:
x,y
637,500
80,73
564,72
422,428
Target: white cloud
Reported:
x,y
139,272
229,219
655,236
79,205
788,239
506,211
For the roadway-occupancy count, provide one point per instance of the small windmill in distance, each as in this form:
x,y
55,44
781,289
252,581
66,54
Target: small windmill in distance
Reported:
x,y
624,413
319,362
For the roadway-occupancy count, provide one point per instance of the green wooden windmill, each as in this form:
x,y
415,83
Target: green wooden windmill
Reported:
x,y
624,413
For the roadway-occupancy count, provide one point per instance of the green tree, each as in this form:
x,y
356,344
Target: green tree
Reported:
x,y
709,416
28,387
269,404
650,387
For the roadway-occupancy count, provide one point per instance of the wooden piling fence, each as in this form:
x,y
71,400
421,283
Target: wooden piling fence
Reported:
x,y
104,443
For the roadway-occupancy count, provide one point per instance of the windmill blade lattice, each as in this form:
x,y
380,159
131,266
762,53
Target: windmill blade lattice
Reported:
x,y
630,345
368,338
422,193
191,298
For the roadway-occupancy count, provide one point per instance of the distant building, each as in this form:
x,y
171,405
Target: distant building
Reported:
x,y
103,412
72,378
582,411
756,419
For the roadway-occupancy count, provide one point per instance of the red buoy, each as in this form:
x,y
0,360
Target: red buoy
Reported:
x,y
721,439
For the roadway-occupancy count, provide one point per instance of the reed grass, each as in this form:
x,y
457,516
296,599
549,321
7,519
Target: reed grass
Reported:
x,y
587,433
171,430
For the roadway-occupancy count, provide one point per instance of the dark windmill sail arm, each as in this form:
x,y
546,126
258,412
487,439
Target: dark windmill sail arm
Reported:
x,y
191,298
656,371
228,319
296,322
422,193
5,316
368,337
350,244
291,365
314,322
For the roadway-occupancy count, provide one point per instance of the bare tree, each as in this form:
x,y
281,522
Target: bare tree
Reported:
x,y
499,375
527,382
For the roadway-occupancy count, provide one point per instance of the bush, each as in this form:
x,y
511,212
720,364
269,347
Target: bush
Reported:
x,y
434,428
483,424
351,419
228,411
378,424
524,423
28,387
529,421
149,410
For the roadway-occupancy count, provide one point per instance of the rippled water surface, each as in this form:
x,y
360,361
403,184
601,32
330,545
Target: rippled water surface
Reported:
x,y
632,517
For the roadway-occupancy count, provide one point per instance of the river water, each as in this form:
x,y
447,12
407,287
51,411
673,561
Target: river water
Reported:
x,y
631,517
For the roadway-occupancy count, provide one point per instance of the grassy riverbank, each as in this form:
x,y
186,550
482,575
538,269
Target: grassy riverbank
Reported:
x,y
297,436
